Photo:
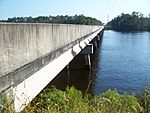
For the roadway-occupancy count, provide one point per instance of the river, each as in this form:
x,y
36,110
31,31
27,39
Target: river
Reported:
x,y
122,62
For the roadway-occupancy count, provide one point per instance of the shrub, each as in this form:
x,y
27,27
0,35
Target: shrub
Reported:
x,y
73,101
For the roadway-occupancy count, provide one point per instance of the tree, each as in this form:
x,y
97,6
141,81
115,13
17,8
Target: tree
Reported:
x,y
127,22
77,19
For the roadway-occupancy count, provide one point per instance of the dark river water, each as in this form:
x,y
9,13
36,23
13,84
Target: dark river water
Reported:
x,y
122,62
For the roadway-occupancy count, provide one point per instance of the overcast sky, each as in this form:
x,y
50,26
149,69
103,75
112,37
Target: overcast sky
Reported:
x,y
98,9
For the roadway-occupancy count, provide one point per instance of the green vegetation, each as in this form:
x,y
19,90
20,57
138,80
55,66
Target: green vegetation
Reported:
x,y
144,99
126,22
77,19
53,100
5,105
74,101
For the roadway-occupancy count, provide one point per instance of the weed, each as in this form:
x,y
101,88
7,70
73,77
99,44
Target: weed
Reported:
x,y
144,99
73,101
53,100
5,105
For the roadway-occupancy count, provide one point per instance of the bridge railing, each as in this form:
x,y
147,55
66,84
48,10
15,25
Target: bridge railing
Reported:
x,y
22,43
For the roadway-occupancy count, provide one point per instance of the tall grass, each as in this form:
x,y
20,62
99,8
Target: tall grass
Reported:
x,y
73,101
53,100
113,102
144,99
57,101
5,105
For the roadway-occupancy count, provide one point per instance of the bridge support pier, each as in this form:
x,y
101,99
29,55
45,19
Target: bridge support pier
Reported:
x,y
88,61
83,60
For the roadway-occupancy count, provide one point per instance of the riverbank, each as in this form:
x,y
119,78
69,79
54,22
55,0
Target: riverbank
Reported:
x,y
74,101
53,100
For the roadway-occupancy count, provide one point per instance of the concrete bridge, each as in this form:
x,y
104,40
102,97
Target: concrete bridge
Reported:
x,y
31,55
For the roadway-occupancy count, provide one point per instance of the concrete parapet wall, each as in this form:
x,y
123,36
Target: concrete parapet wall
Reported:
x,y
22,43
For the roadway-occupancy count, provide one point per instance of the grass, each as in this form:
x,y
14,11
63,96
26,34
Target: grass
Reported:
x,y
74,101
5,105
144,99
57,101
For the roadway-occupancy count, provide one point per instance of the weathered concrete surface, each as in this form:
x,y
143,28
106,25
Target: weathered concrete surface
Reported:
x,y
21,44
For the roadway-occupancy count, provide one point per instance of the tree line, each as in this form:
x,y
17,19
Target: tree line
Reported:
x,y
130,22
77,19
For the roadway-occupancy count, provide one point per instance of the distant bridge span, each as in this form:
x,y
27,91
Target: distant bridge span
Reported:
x,y
32,54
